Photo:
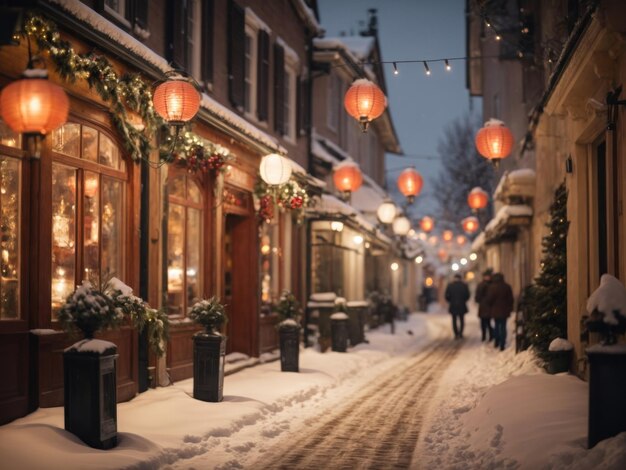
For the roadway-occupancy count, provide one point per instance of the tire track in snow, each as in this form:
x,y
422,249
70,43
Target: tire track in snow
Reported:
x,y
378,428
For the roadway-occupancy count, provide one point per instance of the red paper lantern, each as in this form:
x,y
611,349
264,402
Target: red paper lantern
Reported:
x,y
494,141
460,239
176,100
447,235
470,224
477,199
34,105
347,177
410,183
364,101
443,255
427,224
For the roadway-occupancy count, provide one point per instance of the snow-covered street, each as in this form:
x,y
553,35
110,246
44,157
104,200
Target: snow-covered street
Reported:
x,y
416,399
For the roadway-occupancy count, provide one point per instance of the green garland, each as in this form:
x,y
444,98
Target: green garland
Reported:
x,y
122,92
289,196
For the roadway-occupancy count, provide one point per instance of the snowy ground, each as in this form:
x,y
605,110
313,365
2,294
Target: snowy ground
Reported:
x,y
491,410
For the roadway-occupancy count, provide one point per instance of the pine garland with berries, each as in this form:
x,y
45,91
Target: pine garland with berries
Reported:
x,y
545,300
286,197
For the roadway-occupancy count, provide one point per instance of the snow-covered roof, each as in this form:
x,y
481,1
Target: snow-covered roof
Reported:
x,y
308,15
298,169
522,176
339,44
478,242
102,25
320,152
360,46
506,212
516,183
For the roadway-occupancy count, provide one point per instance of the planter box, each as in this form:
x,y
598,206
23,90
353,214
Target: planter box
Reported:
x,y
289,348
209,358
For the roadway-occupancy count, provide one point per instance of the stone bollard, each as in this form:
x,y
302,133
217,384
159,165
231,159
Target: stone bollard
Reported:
x,y
91,392
339,331
209,357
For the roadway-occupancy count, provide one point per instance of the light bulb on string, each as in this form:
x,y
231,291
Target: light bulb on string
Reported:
x,y
426,68
448,66
395,69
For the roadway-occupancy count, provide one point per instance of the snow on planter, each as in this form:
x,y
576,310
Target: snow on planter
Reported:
x,y
97,346
323,297
560,344
609,299
339,316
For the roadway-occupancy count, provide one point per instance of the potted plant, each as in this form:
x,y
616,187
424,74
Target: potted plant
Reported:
x,y
607,360
209,350
89,367
289,313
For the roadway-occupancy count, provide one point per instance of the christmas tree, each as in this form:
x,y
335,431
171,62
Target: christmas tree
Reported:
x,y
546,299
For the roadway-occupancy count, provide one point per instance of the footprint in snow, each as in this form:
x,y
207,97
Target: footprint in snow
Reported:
x,y
497,439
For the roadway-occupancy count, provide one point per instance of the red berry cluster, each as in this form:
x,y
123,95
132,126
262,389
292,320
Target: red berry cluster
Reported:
x,y
216,161
266,211
296,202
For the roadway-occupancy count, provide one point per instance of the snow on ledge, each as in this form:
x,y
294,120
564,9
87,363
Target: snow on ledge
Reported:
x,y
478,242
560,344
97,346
506,212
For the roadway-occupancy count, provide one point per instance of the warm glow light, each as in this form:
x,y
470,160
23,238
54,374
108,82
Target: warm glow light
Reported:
x,y
348,177
427,224
463,261
401,226
443,254
433,240
494,141
395,266
410,183
473,256
455,267
358,239
176,100
447,235
364,101
429,282
275,169
386,212
336,226
419,259
34,105
469,276
470,224
460,239
477,199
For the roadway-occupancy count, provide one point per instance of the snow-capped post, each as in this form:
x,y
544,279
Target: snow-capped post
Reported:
x,y
607,360
317,322
209,350
89,368
339,326
559,356
290,313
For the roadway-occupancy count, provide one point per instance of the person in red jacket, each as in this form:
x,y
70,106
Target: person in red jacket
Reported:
x,y
499,301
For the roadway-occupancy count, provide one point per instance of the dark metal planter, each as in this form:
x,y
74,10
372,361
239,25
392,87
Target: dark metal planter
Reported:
x,y
91,395
559,361
356,324
289,336
209,357
607,389
339,330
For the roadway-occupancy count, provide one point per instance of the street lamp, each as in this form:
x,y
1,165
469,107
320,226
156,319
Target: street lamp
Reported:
x,y
494,141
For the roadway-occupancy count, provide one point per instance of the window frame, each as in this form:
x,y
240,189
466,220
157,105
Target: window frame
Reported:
x,y
250,74
194,43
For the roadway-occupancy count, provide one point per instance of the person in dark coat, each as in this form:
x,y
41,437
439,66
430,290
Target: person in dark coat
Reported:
x,y
483,309
499,300
457,294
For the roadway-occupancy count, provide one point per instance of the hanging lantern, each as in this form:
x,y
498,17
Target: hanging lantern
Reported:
x,y
401,226
275,169
176,100
443,255
336,226
447,235
386,212
460,240
470,224
364,101
410,183
477,199
347,177
34,105
427,224
494,141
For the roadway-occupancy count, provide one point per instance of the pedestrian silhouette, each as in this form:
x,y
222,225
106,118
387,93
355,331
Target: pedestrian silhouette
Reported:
x,y
499,300
483,310
457,294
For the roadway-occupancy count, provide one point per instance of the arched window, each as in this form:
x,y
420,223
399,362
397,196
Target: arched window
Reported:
x,y
185,223
89,208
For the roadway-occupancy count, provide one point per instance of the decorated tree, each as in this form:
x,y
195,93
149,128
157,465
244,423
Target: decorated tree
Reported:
x,y
545,300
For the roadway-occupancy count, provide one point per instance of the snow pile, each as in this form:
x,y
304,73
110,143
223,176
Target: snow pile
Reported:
x,y
609,299
560,344
339,316
323,297
506,212
522,176
97,346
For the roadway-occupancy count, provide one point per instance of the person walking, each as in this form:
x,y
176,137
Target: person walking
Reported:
x,y
457,294
483,310
499,300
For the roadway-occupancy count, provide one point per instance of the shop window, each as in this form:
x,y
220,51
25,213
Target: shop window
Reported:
x,y
88,201
10,189
270,254
601,197
184,244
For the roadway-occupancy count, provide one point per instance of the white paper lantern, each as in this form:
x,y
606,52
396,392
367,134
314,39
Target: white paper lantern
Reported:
x,y
275,169
336,226
386,212
401,226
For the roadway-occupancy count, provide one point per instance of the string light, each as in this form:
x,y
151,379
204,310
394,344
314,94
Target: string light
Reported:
x,y
395,69
426,68
448,66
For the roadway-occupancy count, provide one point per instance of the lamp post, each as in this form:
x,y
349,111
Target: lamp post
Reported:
x,y
364,101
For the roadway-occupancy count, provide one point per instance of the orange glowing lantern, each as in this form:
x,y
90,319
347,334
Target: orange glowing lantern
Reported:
x,y
347,177
427,224
460,239
447,235
364,101
477,199
470,224
33,105
176,100
494,141
410,183
443,254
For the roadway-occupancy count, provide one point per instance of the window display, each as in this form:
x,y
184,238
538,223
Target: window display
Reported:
x,y
10,184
